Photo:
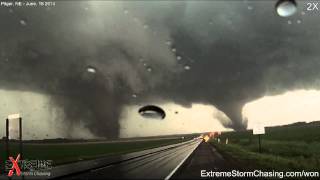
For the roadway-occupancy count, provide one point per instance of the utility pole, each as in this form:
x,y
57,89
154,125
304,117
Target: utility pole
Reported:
x,y
259,143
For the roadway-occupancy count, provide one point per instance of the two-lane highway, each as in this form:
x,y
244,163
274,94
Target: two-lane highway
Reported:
x,y
205,157
180,161
157,165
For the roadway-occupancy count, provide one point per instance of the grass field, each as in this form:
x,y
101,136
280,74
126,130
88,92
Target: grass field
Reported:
x,y
283,148
70,152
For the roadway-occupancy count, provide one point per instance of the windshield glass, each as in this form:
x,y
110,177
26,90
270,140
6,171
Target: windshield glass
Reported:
x,y
84,69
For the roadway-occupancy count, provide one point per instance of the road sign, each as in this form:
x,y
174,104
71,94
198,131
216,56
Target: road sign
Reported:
x,y
13,131
258,129
13,116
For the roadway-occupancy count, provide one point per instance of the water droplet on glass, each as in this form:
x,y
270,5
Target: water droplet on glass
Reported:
x,y
91,69
10,10
32,54
125,11
286,8
179,58
299,21
145,64
187,67
250,7
173,49
168,43
303,13
149,69
145,26
134,95
135,19
86,8
289,22
23,22
151,111
210,22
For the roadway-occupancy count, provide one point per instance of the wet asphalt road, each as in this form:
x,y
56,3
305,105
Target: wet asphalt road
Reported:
x,y
154,166
205,157
183,161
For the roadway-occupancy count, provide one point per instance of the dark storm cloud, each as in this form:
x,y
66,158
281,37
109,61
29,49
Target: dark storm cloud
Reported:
x,y
87,63
242,51
236,52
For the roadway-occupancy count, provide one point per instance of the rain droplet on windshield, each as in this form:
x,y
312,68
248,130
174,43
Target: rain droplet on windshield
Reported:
x,y
91,69
179,58
134,95
23,22
173,49
299,21
250,7
149,69
152,111
187,67
168,43
289,22
10,10
286,8
145,26
125,11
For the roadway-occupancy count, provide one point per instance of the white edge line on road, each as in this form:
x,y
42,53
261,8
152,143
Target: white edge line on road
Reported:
x,y
183,160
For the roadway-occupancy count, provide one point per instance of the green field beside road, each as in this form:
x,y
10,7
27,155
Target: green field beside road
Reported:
x,y
293,147
61,153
